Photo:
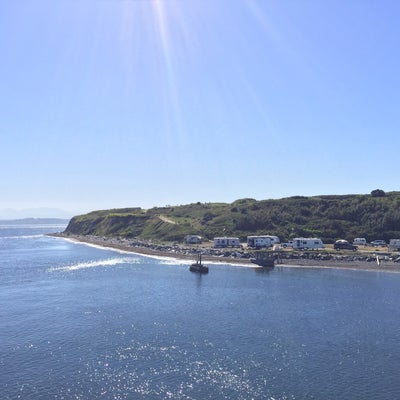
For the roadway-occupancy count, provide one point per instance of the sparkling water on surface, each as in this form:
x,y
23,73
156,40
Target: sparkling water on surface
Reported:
x,y
79,322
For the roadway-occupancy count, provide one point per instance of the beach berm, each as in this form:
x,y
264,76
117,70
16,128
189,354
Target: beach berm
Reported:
x,y
318,259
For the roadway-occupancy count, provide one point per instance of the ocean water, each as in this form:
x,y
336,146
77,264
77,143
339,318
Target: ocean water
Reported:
x,y
80,322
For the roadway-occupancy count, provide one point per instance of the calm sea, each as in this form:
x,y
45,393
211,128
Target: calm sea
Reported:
x,y
79,322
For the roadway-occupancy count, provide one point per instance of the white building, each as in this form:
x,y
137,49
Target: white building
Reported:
x,y
226,242
193,239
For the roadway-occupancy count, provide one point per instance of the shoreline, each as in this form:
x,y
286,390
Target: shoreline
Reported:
x,y
236,257
152,249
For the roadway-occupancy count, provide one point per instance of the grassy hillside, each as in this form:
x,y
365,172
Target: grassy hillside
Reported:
x,y
373,216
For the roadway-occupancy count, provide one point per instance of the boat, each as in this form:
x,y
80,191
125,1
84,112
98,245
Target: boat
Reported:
x,y
265,259
198,266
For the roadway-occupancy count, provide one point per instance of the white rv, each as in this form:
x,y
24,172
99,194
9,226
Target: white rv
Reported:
x,y
394,245
275,239
262,241
360,241
307,243
226,242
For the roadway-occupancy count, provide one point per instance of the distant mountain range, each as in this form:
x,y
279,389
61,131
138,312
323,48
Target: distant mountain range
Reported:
x,y
42,212
35,221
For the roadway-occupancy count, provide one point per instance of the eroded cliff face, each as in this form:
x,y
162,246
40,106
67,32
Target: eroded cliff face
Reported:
x,y
107,225
128,226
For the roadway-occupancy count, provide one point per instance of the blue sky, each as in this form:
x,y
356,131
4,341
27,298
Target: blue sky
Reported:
x,y
111,103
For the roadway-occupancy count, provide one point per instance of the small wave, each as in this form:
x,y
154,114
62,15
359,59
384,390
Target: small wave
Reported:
x,y
182,261
170,260
95,263
98,246
22,237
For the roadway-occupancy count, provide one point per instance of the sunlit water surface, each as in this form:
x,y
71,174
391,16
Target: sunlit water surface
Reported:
x,y
78,322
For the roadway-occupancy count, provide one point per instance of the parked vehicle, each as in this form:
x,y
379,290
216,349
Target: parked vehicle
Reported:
x,y
344,245
226,242
377,243
360,241
262,241
306,243
394,244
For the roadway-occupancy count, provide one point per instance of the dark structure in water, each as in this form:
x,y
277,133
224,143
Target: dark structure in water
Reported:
x,y
265,259
199,267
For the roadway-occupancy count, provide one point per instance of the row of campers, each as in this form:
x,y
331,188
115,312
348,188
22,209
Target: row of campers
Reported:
x,y
296,243
252,241
269,241
261,241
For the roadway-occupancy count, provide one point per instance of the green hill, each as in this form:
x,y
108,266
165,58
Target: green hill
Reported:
x,y
373,216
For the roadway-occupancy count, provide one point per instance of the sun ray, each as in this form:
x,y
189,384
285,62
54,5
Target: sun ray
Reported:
x,y
174,117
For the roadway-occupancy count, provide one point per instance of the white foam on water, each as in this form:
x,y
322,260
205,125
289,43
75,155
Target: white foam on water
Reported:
x,y
165,260
181,261
109,262
169,260
99,246
22,237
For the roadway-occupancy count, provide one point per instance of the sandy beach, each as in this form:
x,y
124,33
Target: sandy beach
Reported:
x,y
242,258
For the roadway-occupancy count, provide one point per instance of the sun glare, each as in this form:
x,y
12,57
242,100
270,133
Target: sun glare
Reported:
x,y
165,15
153,35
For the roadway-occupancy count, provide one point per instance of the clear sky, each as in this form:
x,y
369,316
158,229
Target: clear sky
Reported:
x,y
108,103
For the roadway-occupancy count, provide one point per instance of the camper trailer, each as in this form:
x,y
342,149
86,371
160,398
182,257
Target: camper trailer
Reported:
x,y
360,242
394,245
306,243
226,242
262,241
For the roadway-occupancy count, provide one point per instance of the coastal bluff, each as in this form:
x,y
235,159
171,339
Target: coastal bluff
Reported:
x,y
329,217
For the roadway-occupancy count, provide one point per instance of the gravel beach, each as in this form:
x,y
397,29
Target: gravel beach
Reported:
x,y
315,259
